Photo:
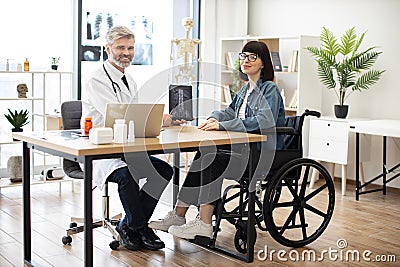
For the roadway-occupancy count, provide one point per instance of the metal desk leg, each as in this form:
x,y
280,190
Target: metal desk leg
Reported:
x,y
357,166
175,181
384,171
88,212
26,203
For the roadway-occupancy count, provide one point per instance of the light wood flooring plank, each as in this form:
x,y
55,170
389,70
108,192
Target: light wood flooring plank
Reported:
x,y
369,224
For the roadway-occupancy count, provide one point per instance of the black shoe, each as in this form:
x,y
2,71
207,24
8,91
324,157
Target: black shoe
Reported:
x,y
129,239
150,239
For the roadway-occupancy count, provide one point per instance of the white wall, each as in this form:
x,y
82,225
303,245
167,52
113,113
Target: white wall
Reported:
x,y
379,18
307,17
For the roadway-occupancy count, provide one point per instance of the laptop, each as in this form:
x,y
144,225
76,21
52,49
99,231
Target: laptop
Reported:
x,y
146,117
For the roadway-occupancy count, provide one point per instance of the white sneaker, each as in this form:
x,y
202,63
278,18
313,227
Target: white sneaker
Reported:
x,y
191,229
170,219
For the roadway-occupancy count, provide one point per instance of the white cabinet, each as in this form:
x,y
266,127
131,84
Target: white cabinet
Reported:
x,y
46,92
302,85
329,142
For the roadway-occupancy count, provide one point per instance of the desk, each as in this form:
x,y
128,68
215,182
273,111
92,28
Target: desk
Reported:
x,y
172,140
384,128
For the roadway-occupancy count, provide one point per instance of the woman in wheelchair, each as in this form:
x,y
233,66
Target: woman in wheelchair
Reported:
x,y
258,105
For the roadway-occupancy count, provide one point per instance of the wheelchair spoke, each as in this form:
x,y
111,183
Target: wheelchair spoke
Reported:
x,y
303,223
285,204
292,191
289,219
316,211
316,192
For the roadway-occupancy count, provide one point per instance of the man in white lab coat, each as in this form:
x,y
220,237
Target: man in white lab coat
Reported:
x,y
107,84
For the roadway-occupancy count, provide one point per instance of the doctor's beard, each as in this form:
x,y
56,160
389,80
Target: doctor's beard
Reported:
x,y
117,60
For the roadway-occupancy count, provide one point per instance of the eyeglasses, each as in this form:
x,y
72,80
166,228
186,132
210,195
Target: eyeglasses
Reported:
x,y
250,57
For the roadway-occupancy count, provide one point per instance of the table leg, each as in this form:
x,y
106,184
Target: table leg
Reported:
x,y
314,177
362,176
357,166
384,170
88,212
344,179
175,181
26,203
332,170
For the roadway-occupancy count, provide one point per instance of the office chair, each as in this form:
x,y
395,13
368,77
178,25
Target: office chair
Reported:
x,y
71,112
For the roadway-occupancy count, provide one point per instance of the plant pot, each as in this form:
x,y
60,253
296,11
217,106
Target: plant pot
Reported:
x,y
341,111
16,130
54,67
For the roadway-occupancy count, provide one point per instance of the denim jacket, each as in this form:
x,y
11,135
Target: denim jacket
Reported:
x,y
264,109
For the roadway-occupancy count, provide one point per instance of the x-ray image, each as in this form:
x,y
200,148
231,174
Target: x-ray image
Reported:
x,y
91,53
180,102
99,23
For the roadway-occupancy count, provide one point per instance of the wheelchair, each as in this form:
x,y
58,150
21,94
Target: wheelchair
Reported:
x,y
284,205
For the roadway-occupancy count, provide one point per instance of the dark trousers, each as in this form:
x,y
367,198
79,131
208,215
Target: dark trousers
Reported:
x,y
205,177
139,203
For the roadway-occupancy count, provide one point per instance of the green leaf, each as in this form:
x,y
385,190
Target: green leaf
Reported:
x,y
367,79
18,119
344,61
348,41
325,75
329,42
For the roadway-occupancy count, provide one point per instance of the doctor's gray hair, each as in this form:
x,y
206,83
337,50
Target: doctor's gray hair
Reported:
x,y
118,32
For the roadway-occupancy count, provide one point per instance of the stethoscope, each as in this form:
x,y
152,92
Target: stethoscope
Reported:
x,y
114,85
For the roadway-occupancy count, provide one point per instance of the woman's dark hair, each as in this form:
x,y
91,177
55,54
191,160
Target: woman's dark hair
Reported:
x,y
261,50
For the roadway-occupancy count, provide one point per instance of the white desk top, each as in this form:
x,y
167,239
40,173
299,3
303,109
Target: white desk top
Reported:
x,y
377,127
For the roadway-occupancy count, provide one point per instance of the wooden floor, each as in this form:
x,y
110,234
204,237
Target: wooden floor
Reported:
x,y
373,224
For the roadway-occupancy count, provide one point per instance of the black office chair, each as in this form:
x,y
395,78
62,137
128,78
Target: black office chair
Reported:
x,y
71,112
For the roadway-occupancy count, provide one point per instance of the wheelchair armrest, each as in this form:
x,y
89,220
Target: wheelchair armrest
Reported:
x,y
280,130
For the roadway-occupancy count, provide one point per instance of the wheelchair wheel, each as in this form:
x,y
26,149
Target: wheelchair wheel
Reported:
x,y
240,212
294,214
240,239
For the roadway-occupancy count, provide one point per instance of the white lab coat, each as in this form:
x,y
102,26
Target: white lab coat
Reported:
x,y
99,92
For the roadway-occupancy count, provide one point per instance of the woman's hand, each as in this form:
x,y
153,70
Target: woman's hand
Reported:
x,y
210,124
167,121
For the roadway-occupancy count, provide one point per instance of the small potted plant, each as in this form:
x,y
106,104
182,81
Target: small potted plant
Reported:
x,y
18,119
54,62
342,64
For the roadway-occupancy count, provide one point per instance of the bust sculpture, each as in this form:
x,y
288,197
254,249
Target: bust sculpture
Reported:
x,y
22,89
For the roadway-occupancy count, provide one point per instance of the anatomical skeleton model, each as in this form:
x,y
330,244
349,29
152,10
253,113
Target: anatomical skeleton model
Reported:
x,y
184,55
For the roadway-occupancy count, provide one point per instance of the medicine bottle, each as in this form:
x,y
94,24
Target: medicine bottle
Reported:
x,y
26,65
131,131
88,125
120,131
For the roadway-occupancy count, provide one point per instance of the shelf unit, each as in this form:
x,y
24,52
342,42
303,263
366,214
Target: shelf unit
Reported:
x,y
302,84
46,91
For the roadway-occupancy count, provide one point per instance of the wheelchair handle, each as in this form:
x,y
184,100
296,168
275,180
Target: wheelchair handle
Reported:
x,y
312,113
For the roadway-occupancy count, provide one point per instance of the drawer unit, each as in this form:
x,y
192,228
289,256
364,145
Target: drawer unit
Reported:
x,y
328,150
328,140
328,130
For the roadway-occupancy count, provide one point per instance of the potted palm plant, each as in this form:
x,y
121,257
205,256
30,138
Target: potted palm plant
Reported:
x,y
341,67
18,119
